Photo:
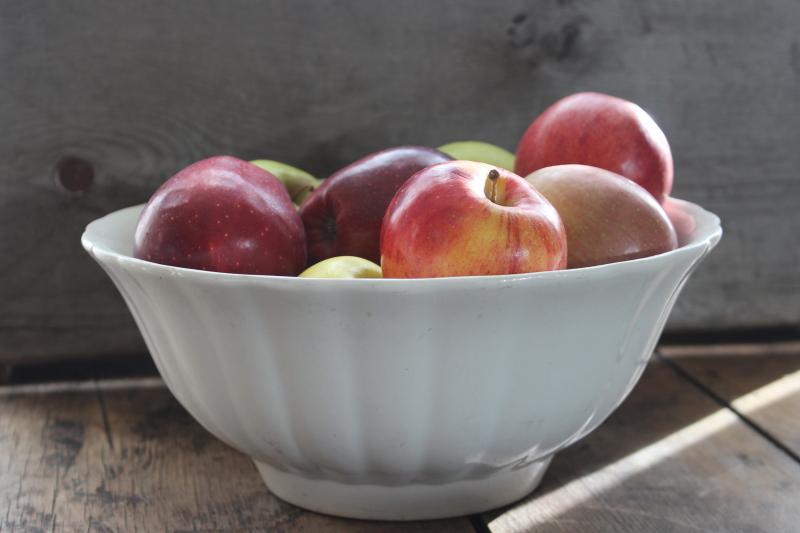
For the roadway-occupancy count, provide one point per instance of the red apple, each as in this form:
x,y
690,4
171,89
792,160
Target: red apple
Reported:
x,y
602,131
343,216
464,218
226,215
684,224
608,217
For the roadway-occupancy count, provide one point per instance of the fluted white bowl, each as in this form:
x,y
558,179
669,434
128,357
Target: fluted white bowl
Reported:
x,y
401,399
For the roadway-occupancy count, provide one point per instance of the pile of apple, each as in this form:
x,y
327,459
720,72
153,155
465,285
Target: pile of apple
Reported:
x,y
597,171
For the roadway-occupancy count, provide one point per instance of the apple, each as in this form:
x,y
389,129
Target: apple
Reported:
x,y
226,215
343,216
481,152
465,218
684,223
602,131
299,183
345,266
608,217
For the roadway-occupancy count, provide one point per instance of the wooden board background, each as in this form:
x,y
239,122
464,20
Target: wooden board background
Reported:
x,y
140,89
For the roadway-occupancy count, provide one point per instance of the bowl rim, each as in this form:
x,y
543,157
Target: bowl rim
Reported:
x,y
700,243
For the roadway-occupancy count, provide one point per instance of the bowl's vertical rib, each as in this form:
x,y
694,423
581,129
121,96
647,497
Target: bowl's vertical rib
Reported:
x,y
218,365
314,361
182,348
260,375
147,318
394,377
379,396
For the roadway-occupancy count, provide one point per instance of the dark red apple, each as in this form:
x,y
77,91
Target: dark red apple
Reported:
x,y
601,131
343,216
464,218
608,217
226,215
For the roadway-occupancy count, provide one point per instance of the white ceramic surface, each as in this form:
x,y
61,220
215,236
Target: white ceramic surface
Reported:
x,y
400,399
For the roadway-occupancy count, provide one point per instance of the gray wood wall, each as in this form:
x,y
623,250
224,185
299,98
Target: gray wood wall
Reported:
x,y
124,94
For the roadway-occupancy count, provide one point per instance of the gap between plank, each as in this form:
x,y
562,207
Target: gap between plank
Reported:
x,y
104,412
477,523
708,391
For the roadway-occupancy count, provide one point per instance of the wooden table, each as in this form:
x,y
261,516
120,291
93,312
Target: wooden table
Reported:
x,y
708,441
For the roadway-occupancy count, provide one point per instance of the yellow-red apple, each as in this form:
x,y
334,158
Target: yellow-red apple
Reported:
x,y
464,218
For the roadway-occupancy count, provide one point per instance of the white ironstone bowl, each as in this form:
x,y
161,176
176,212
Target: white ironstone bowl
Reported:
x,y
400,399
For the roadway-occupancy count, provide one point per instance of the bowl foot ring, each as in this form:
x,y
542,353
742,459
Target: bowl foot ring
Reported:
x,y
404,502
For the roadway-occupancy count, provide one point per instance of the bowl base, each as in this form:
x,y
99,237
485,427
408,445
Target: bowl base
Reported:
x,y
404,502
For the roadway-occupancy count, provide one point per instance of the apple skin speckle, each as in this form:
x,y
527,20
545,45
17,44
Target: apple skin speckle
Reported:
x,y
223,214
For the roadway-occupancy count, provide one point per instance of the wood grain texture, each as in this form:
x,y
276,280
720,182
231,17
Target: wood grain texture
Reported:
x,y
138,91
670,459
125,457
764,388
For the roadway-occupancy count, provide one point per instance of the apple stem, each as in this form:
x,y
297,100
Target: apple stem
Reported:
x,y
490,188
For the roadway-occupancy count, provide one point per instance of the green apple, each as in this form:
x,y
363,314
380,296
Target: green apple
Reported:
x,y
343,266
298,182
481,152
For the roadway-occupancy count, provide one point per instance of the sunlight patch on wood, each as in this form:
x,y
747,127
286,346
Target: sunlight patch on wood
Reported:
x,y
581,490
548,507
774,392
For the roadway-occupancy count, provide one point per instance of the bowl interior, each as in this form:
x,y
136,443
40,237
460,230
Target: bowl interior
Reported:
x,y
113,235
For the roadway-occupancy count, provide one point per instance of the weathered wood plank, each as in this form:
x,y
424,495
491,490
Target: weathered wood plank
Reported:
x,y
124,456
762,384
140,90
670,459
